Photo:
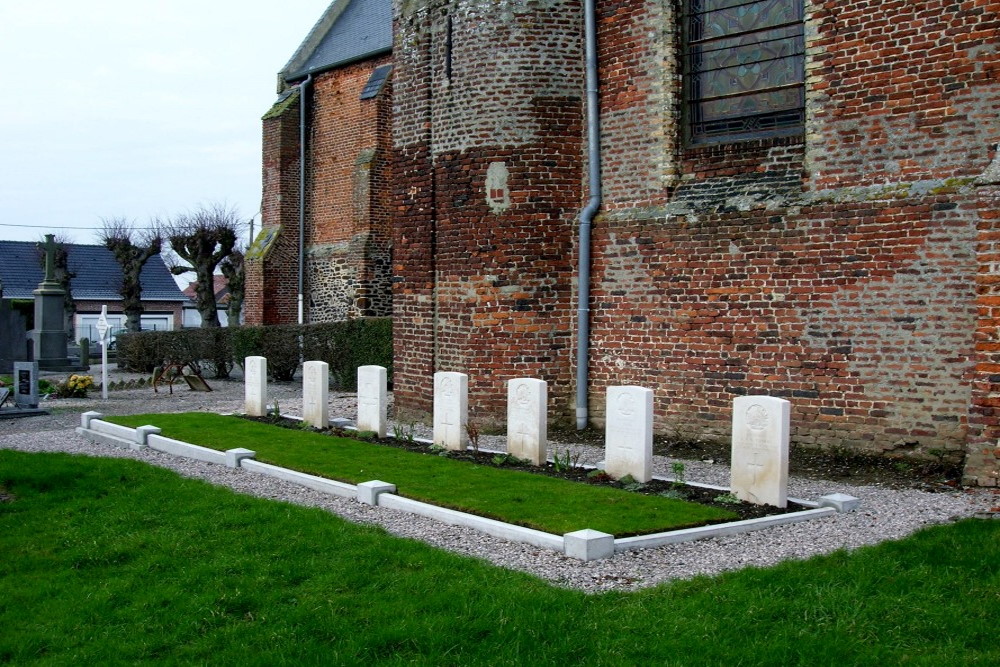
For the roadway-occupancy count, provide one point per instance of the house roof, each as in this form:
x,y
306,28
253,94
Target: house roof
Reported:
x,y
98,275
220,284
348,31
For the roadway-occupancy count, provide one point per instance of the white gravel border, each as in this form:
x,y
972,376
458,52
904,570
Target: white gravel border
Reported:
x,y
885,514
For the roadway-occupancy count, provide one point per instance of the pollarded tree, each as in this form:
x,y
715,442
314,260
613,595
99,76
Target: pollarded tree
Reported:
x,y
233,269
132,248
203,239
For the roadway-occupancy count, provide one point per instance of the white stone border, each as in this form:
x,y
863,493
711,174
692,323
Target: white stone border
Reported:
x,y
583,544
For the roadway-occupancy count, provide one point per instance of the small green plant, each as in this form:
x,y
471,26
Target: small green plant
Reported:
x,y
275,412
727,499
368,436
678,469
305,426
676,494
562,463
901,466
440,450
596,475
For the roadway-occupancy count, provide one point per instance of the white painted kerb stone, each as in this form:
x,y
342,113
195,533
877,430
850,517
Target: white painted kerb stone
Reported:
x,y
588,545
761,427
527,419
451,410
235,457
368,492
372,400
628,433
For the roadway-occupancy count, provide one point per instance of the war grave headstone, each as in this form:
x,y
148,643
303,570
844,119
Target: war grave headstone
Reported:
x,y
527,419
315,393
255,386
761,429
628,434
373,400
451,410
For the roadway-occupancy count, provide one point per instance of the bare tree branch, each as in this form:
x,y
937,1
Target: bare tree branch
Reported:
x,y
132,249
203,239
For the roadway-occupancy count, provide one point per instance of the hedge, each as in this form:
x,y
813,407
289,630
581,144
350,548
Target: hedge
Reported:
x,y
343,345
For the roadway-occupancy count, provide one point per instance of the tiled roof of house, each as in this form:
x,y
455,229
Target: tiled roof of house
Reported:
x,y
221,286
348,31
98,275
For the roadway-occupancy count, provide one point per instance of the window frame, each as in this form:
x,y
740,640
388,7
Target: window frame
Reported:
x,y
689,101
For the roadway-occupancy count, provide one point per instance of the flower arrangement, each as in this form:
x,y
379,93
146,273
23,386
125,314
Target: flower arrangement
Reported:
x,y
76,386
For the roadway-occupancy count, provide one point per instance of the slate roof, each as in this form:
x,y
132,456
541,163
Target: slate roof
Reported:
x,y
349,30
98,275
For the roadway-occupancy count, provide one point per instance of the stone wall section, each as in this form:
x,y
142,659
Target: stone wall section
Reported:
x,y
488,140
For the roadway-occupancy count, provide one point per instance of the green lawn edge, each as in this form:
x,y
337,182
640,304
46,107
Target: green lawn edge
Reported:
x,y
543,503
110,561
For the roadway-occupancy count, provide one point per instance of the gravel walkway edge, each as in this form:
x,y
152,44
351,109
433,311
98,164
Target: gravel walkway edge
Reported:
x,y
885,514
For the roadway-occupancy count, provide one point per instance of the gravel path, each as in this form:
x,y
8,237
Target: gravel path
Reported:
x,y
885,514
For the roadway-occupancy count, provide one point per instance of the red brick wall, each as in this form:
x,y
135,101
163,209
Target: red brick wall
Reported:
x,y
850,269
272,282
480,288
347,271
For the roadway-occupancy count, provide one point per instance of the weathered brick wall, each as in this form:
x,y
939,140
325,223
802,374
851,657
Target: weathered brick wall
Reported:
x,y
837,269
348,228
487,145
272,283
850,268
347,271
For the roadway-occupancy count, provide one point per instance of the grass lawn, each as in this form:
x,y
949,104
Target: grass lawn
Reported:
x,y
553,505
112,561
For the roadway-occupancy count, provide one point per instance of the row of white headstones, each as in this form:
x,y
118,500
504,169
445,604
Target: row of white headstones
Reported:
x,y
760,434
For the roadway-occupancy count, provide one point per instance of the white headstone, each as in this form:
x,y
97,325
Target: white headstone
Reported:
x,y
628,433
372,400
451,409
255,386
527,419
761,427
315,392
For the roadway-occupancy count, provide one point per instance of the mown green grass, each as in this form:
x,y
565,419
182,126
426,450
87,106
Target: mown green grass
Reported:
x,y
115,562
553,505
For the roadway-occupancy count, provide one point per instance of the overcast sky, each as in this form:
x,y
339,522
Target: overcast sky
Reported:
x,y
135,108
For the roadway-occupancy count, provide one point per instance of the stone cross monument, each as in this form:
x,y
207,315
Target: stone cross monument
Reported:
x,y
50,330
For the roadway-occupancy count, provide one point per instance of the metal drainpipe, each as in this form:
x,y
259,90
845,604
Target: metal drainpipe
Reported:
x,y
587,216
303,114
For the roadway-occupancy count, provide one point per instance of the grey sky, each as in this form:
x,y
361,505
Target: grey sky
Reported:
x,y
135,108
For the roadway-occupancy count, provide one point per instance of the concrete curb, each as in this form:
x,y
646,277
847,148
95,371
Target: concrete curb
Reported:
x,y
586,544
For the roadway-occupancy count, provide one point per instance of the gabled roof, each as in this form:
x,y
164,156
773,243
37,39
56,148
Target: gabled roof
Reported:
x,y
98,275
219,283
349,30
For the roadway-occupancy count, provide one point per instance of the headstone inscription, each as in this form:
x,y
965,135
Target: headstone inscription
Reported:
x,y
761,428
255,386
628,435
527,419
315,393
26,384
451,410
372,400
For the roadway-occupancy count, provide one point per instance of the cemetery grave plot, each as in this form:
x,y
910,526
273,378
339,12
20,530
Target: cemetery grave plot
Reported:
x,y
509,500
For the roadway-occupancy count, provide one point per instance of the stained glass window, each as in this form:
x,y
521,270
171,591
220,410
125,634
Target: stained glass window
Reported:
x,y
743,69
